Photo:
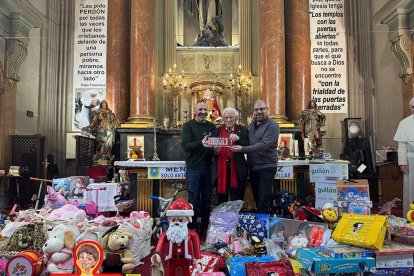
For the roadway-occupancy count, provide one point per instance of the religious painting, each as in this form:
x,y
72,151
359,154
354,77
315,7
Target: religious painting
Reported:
x,y
135,147
86,103
285,145
2,65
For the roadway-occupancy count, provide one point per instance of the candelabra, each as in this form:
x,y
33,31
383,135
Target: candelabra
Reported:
x,y
240,86
155,157
174,85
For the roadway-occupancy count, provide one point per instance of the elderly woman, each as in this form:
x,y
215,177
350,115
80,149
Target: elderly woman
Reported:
x,y
229,169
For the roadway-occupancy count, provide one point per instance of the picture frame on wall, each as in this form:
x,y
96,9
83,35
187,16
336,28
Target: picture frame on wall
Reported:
x,y
135,147
285,145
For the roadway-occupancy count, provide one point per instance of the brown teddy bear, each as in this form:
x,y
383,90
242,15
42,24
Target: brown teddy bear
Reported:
x,y
116,241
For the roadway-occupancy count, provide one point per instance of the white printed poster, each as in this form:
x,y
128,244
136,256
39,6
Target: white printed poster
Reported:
x,y
328,172
329,80
89,66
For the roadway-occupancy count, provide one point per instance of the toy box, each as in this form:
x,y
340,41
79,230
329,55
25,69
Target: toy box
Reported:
x,y
394,271
320,263
283,230
395,261
346,251
349,190
254,224
395,255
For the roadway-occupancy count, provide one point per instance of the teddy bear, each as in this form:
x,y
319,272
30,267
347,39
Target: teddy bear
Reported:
x,y
54,199
67,212
116,241
26,237
58,249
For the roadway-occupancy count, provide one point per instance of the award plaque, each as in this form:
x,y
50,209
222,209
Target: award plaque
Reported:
x,y
219,142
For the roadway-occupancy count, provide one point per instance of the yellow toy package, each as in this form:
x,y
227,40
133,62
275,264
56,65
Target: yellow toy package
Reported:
x,y
367,231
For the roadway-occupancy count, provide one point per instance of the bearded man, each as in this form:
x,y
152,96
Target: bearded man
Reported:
x,y
179,245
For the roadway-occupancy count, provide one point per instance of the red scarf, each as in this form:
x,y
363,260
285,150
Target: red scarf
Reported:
x,y
224,155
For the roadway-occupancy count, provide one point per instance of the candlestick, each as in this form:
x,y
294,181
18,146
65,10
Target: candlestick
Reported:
x,y
155,157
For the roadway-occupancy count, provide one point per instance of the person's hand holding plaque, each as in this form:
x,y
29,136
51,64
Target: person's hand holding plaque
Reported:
x,y
219,142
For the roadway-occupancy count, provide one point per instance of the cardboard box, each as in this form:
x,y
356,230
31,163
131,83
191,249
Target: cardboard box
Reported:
x,y
319,263
394,261
351,189
394,271
346,251
283,230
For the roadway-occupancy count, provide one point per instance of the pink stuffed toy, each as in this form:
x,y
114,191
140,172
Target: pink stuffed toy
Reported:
x,y
67,212
54,199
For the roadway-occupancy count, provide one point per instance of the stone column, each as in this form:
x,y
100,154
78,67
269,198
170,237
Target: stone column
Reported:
x,y
272,57
142,102
117,59
298,57
245,35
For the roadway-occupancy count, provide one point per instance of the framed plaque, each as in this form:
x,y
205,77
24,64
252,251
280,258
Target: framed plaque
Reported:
x,y
219,142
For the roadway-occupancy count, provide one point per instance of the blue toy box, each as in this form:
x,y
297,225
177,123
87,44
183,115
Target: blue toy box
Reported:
x,y
317,262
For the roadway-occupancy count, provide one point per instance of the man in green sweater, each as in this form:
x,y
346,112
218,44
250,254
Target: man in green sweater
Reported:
x,y
198,162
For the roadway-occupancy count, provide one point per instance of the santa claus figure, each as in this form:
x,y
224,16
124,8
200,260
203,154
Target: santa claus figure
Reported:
x,y
179,245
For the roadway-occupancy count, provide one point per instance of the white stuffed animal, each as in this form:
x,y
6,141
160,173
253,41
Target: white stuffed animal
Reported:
x,y
298,241
58,249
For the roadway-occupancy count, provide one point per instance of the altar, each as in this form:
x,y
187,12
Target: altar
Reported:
x,y
152,177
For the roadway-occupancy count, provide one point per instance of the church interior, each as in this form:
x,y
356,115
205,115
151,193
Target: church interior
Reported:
x,y
98,92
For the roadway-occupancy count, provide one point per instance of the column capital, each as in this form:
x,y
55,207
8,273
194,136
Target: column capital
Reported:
x,y
16,54
401,49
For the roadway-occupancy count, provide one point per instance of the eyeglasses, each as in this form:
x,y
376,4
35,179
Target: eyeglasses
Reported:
x,y
412,107
260,109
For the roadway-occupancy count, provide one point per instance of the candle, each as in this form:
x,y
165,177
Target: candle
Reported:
x,y
296,146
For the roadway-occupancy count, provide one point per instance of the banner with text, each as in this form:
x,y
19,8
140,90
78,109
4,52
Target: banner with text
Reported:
x,y
284,172
166,173
329,79
89,59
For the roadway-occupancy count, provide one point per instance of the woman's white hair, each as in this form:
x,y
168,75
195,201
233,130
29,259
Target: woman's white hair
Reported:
x,y
231,110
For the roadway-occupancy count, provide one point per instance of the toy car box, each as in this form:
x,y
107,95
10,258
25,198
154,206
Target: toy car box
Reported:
x,y
317,262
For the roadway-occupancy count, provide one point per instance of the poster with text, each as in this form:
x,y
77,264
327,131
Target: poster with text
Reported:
x,y
329,80
89,60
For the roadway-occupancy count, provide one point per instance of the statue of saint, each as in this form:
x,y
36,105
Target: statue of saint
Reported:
x,y
103,128
208,14
311,121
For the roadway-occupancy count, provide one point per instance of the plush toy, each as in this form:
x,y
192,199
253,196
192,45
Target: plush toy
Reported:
x,y
67,212
298,241
117,241
58,249
315,239
410,215
330,214
54,199
26,237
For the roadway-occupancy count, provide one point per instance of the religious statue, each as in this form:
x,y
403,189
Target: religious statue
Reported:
x,y
166,122
103,127
208,14
311,121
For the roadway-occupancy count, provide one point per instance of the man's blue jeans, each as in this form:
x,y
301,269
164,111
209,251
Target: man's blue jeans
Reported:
x,y
261,181
200,187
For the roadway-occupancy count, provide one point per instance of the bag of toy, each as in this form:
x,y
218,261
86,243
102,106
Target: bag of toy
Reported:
x,y
281,268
